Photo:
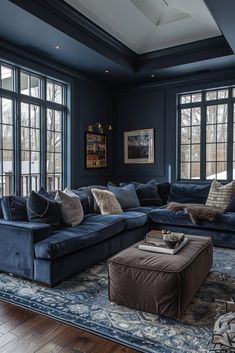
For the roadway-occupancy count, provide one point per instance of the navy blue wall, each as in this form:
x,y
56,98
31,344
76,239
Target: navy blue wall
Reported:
x,y
94,103
155,106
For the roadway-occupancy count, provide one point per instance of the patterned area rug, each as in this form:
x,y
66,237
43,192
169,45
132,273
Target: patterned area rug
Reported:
x,y
83,302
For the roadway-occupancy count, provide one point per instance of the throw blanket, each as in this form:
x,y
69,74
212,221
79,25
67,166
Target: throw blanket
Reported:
x,y
196,211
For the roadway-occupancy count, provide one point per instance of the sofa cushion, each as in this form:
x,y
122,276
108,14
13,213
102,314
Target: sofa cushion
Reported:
x,y
1,213
135,219
46,194
231,205
164,216
94,229
14,208
146,209
126,195
148,196
189,193
43,210
93,207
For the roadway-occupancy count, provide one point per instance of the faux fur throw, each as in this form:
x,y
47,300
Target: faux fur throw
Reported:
x,y
196,211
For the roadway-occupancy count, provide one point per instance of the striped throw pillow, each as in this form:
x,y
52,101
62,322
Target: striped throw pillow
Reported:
x,y
220,195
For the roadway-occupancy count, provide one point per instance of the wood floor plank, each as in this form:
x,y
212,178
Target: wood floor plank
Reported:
x,y
31,333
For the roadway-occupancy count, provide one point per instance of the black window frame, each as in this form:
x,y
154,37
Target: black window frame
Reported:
x,y
230,101
44,104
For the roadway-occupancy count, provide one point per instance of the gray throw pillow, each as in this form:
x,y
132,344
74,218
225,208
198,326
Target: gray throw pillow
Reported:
x,y
71,208
126,196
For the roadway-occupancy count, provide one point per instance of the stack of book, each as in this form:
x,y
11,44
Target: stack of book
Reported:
x,y
154,242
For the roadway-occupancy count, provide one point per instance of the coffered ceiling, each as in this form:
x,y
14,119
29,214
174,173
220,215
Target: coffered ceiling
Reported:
x,y
149,25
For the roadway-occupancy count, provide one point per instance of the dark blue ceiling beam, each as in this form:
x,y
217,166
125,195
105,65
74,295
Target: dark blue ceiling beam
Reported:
x,y
65,18
184,54
223,12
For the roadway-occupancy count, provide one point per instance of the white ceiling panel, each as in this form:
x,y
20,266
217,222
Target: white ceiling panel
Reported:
x,y
148,25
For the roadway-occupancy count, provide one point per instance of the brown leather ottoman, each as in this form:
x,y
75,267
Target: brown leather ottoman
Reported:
x,y
159,283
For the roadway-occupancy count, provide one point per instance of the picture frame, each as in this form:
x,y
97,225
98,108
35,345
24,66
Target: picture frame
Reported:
x,y
139,146
95,150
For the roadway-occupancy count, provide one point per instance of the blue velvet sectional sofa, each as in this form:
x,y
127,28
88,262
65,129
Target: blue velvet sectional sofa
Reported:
x,y
46,255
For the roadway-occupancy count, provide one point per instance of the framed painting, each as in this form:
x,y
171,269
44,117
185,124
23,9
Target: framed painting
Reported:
x,y
139,146
96,150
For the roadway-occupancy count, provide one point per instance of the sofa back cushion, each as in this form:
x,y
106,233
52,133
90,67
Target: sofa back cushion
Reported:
x,y
71,208
148,196
126,195
43,210
220,195
14,208
189,193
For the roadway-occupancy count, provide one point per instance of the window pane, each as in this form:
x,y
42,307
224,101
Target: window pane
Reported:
x,y
211,95
185,170
211,114
50,162
25,140
50,119
196,134
195,153
7,78
195,171
222,113
185,135
58,142
211,170
7,111
185,153
35,139
196,97
186,117
25,158
58,94
24,83
50,91
221,171
24,114
211,152
35,162
50,141
58,120
211,133
221,151
35,116
185,99
58,163
35,86
7,137
222,93
196,116
221,132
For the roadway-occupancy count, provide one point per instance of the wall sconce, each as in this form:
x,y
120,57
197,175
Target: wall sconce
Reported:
x,y
100,128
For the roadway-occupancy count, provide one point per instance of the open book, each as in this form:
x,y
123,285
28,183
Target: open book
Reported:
x,y
160,247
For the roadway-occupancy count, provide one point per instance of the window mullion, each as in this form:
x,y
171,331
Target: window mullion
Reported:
x,y
17,138
203,139
230,137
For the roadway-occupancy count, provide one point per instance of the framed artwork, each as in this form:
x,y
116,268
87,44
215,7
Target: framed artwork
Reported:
x,y
96,150
139,146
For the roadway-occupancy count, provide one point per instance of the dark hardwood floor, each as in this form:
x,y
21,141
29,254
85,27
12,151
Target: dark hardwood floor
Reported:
x,y
22,331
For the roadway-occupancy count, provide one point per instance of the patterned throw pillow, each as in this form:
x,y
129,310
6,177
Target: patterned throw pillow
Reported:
x,y
71,208
107,202
220,195
126,195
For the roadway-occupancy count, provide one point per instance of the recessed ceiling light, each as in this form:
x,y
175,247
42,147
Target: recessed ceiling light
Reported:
x,y
152,75
107,71
57,46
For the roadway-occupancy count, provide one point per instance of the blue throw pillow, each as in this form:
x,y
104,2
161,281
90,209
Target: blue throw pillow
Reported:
x,y
189,193
148,196
46,194
43,210
126,196
231,205
86,200
14,208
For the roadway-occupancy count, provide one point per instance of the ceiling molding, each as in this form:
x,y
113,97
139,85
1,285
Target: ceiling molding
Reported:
x,y
65,18
182,54
58,12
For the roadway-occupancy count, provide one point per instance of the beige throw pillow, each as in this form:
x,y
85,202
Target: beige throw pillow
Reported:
x,y
220,195
107,202
71,208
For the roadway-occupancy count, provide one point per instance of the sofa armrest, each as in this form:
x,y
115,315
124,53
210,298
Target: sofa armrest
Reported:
x,y
36,231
